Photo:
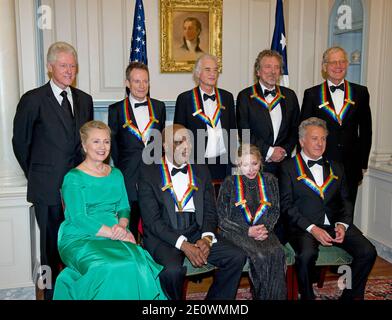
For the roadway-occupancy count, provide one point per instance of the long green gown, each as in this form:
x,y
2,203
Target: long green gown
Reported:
x,y
100,268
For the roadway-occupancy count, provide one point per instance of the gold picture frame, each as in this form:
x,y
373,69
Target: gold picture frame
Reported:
x,y
180,43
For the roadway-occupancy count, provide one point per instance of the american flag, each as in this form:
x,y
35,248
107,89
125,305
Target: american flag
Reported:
x,y
139,39
279,41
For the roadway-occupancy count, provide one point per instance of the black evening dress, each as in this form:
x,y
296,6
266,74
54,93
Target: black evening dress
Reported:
x,y
266,258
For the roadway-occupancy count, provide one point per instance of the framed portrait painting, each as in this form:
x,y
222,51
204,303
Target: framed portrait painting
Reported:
x,y
189,28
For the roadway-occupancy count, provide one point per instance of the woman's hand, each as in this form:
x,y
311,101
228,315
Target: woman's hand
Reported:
x,y
130,238
258,232
118,232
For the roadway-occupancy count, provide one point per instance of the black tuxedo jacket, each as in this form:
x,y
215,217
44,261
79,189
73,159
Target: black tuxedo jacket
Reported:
x,y
158,209
126,148
350,142
251,115
46,140
301,206
184,110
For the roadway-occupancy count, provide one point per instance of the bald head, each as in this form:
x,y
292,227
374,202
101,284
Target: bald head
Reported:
x,y
177,144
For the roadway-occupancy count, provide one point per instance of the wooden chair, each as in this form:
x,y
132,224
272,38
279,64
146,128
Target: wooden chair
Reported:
x,y
195,274
328,256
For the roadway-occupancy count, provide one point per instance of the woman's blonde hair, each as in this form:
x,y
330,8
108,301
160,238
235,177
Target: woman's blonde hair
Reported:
x,y
249,149
88,126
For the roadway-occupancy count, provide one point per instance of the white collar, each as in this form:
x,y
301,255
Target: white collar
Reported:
x,y
57,90
306,158
202,92
132,100
263,87
171,165
330,83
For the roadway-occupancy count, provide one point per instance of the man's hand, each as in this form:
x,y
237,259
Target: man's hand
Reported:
x,y
194,254
322,236
340,231
204,245
278,155
258,232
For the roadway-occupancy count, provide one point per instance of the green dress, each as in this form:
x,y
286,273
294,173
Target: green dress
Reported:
x,y
101,268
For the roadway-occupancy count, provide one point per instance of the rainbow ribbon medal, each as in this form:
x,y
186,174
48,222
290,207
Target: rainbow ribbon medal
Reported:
x,y
300,166
168,185
269,106
142,136
326,106
198,111
241,201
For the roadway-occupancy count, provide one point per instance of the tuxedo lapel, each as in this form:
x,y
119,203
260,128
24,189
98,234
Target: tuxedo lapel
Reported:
x,y
168,202
329,98
283,124
351,107
77,111
326,167
198,199
264,111
309,173
56,107
198,196
202,124
224,118
132,117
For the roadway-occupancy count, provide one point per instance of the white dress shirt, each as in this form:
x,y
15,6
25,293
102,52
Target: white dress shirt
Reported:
x,y
141,114
57,93
276,119
318,175
180,185
215,142
337,97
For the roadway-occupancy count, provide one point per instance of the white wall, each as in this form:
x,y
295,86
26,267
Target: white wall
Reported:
x,y
101,32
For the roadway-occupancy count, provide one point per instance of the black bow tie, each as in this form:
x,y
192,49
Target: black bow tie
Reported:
x,y
174,171
206,97
311,163
340,86
140,104
271,92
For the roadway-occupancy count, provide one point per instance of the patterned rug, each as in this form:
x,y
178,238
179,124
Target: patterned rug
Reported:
x,y
376,289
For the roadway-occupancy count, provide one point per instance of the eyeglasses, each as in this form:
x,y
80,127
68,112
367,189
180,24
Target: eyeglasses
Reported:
x,y
337,62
